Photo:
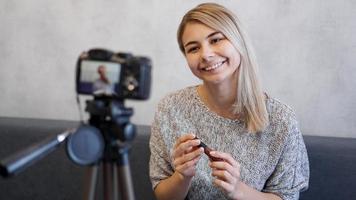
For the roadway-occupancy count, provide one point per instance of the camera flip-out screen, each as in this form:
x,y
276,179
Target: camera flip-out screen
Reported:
x,y
98,77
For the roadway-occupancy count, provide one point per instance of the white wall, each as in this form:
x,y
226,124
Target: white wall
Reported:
x,y
306,50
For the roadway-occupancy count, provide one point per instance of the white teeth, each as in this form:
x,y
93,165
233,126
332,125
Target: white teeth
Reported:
x,y
213,66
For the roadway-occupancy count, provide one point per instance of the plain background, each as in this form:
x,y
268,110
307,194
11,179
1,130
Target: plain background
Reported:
x,y
306,51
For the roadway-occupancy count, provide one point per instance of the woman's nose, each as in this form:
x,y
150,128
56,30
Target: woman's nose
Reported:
x,y
207,52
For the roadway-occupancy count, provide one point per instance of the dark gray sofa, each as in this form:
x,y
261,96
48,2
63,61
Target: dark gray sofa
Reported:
x,y
332,162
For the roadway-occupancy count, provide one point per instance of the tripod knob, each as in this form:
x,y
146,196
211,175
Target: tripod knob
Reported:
x,y
86,145
128,133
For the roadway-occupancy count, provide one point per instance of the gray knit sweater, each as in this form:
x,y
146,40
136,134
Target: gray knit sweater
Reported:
x,y
274,160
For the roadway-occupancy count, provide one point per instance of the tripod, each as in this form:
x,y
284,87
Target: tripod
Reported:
x,y
109,120
105,143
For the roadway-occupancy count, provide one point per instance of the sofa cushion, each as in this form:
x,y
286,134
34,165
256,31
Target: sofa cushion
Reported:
x,y
332,168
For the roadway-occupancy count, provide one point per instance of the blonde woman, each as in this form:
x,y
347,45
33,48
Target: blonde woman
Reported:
x,y
257,151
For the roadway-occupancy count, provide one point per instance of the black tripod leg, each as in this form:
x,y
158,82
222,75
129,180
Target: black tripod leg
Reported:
x,y
125,182
90,182
115,182
110,181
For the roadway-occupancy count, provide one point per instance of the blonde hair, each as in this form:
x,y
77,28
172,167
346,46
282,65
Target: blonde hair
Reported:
x,y
250,101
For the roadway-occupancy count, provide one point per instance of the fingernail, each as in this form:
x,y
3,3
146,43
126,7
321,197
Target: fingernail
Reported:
x,y
212,153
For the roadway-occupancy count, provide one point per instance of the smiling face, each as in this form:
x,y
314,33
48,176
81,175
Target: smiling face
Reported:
x,y
210,55
102,70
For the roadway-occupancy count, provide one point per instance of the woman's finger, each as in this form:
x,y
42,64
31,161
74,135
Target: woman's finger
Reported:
x,y
183,138
224,186
186,146
229,164
188,168
225,156
188,157
224,176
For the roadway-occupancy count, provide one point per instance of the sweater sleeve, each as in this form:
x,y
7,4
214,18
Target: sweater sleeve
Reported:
x,y
159,165
291,175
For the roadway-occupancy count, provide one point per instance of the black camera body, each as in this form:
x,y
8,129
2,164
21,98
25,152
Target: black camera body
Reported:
x,y
101,72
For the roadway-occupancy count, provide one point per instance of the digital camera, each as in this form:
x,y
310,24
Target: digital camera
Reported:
x,y
101,72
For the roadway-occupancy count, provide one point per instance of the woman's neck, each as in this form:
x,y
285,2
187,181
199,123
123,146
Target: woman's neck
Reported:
x,y
219,98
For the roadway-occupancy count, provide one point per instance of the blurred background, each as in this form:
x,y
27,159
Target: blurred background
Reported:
x,y
306,51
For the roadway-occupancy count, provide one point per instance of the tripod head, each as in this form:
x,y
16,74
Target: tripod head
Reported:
x,y
108,135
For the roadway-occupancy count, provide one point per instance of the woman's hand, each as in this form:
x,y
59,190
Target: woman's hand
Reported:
x,y
186,155
227,174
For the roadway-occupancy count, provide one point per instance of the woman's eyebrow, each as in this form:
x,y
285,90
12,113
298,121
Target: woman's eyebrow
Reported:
x,y
210,35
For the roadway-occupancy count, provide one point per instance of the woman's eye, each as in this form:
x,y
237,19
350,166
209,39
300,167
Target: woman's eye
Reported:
x,y
215,40
192,49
